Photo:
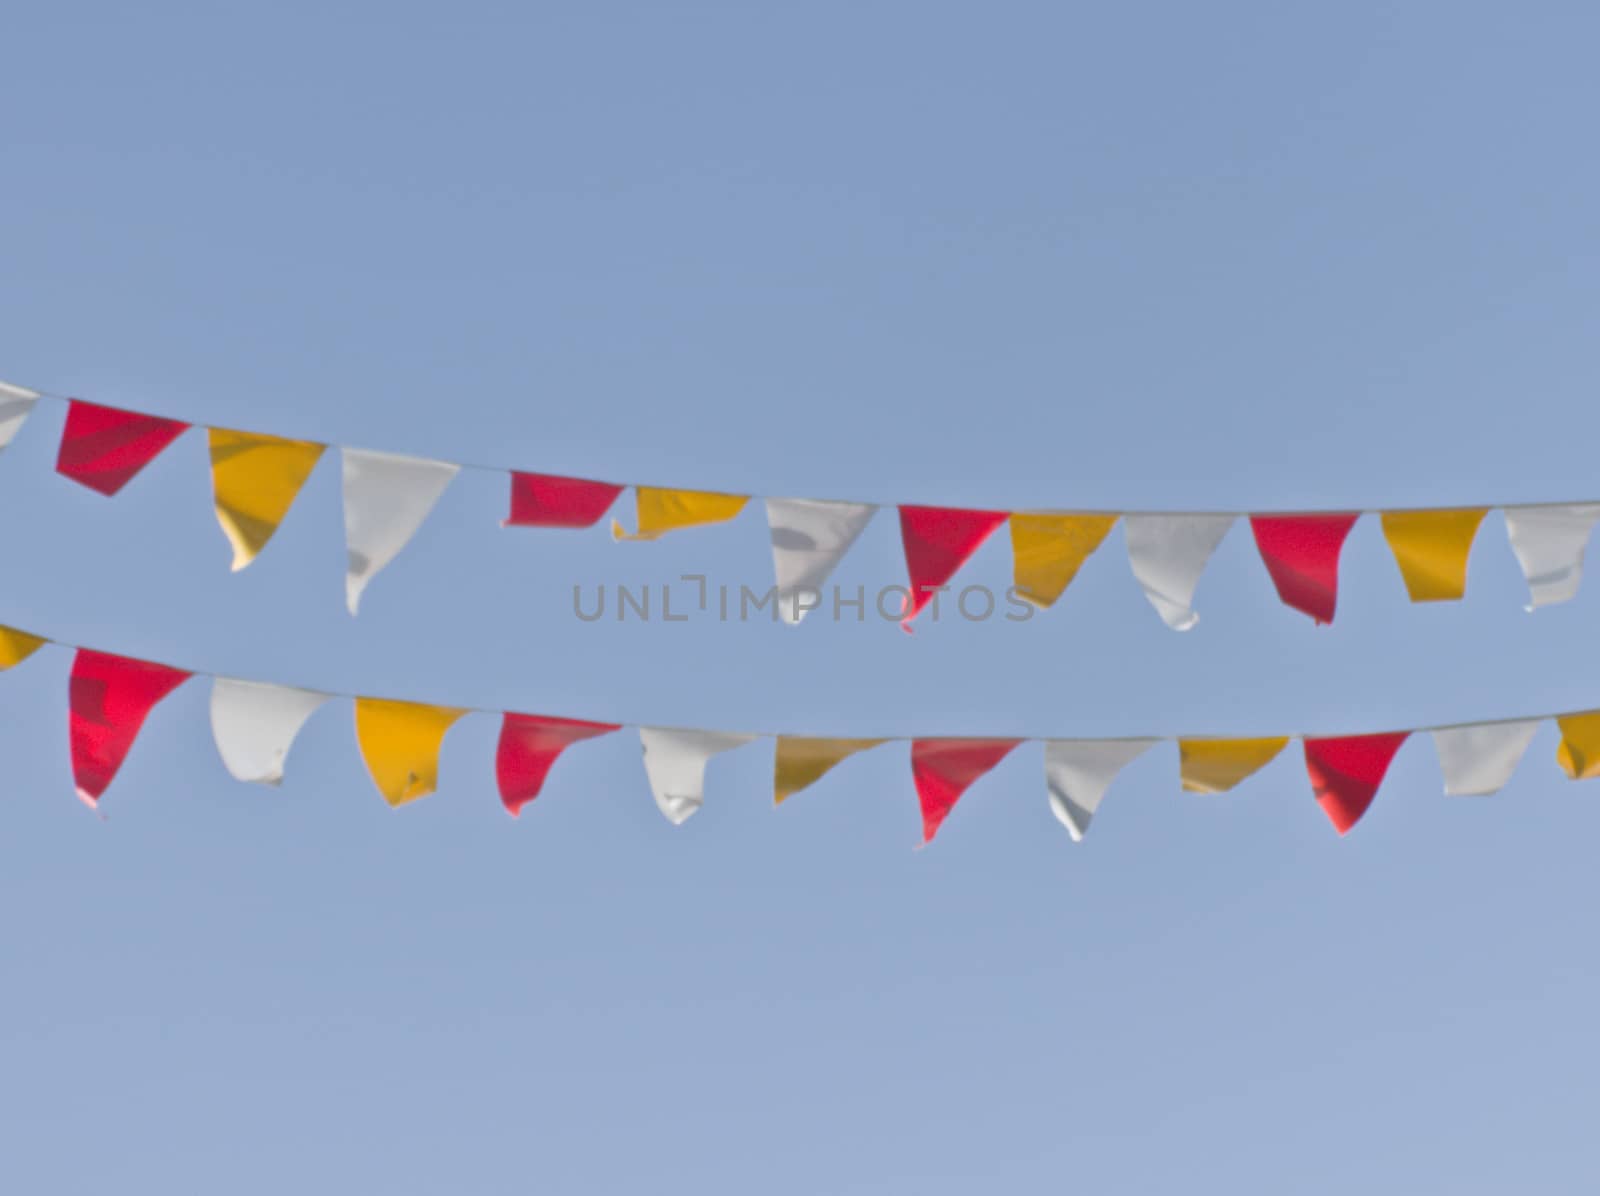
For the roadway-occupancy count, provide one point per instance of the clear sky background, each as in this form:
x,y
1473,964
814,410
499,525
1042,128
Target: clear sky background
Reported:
x,y
1230,255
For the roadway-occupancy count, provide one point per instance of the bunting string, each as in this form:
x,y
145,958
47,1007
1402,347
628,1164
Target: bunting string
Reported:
x,y
254,725
387,496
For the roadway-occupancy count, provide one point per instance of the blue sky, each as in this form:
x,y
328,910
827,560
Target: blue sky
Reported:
x,y
1243,255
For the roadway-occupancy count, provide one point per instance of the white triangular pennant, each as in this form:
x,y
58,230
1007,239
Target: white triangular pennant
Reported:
x,y
675,762
1479,760
386,498
809,537
1168,553
255,724
1549,543
1079,771
15,404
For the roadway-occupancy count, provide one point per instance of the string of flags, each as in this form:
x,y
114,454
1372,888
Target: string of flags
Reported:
x,y
387,496
255,723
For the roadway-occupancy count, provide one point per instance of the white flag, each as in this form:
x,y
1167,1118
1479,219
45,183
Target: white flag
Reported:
x,y
1479,760
1078,773
1549,543
809,537
1168,553
675,762
15,404
386,498
254,725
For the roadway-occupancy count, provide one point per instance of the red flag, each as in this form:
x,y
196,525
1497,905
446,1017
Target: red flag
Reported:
x,y
529,745
1302,554
1346,772
938,541
103,448
108,698
544,500
944,768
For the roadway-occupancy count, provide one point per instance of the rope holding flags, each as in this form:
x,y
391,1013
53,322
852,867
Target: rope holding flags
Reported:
x,y
256,479
388,496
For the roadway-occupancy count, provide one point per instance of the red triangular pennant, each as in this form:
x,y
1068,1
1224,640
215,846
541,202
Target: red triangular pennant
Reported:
x,y
529,745
544,500
103,448
1301,553
944,768
108,698
938,541
1346,772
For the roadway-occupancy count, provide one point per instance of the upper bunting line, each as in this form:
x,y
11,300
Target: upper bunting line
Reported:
x,y
7,389
254,725
256,478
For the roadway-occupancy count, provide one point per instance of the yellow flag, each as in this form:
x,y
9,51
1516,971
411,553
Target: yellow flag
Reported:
x,y
1431,548
1048,550
16,646
255,479
400,742
801,761
661,511
1217,765
1579,753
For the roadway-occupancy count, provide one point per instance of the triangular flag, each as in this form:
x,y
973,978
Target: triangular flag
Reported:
x,y
254,480
255,724
544,500
809,538
16,402
801,761
1549,543
1346,772
1168,553
108,698
529,745
1048,550
16,646
675,762
1079,771
400,743
659,511
944,769
386,498
1301,553
1579,753
1217,765
102,447
1431,548
938,541
1478,760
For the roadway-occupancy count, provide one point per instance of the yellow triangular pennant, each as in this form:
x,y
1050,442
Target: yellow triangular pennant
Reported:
x,y
255,480
400,742
1048,550
1579,753
1217,765
16,646
802,761
661,511
1431,548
